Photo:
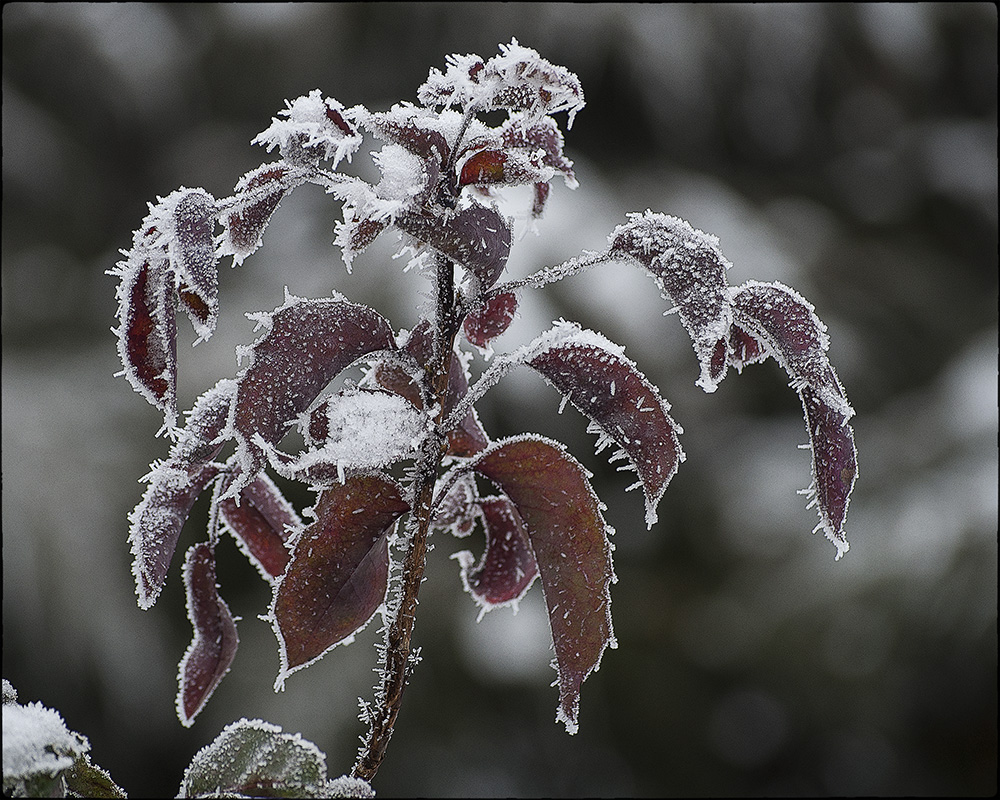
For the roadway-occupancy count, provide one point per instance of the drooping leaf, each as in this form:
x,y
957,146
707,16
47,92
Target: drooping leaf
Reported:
x,y
744,349
834,465
253,758
193,257
484,325
690,270
262,523
476,237
156,524
786,324
309,342
508,567
147,336
602,383
211,652
339,570
569,537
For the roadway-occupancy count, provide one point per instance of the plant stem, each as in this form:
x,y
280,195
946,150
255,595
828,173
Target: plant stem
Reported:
x,y
398,659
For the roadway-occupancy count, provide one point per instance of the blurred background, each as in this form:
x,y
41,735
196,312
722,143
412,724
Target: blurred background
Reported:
x,y
849,151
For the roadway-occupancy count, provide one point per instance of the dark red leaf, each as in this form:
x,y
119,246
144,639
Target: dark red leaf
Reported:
x,y
456,512
507,568
484,325
477,237
834,465
569,538
690,270
308,344
157,521
610,389
258,194
541,196
213,647
148,335
195,260
262,522
339,570
787,325
486,166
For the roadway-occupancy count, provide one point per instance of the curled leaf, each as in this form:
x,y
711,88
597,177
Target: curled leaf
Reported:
x,y
339,570
690,270
508,567
257,196
602,383
316,129
308,343
147,336
211,652
569,538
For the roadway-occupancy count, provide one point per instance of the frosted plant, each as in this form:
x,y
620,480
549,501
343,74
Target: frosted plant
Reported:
x,y
402,453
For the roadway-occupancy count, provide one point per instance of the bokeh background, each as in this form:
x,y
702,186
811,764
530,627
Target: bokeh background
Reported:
x,y
847,150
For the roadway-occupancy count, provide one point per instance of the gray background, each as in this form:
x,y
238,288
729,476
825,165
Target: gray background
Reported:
x,y
848,151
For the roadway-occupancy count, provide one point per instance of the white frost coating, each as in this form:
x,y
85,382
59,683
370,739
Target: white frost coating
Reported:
x,y
36,741
518,79
309,125
366,429
403,177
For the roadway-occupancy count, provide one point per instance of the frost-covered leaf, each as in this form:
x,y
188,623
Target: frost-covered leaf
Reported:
x,y
597,378
193,257
834,465
485,324
156,524
211,652
476,237
253,758
339,570
544,137
261,524
38,749
200,440
258,194
307,344
569,537
517,80
787,325
316,129
507,568
690,270
147,335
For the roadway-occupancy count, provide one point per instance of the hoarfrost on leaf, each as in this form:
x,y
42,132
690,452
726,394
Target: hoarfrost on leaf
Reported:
x,y
253,758
37,748
316,128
